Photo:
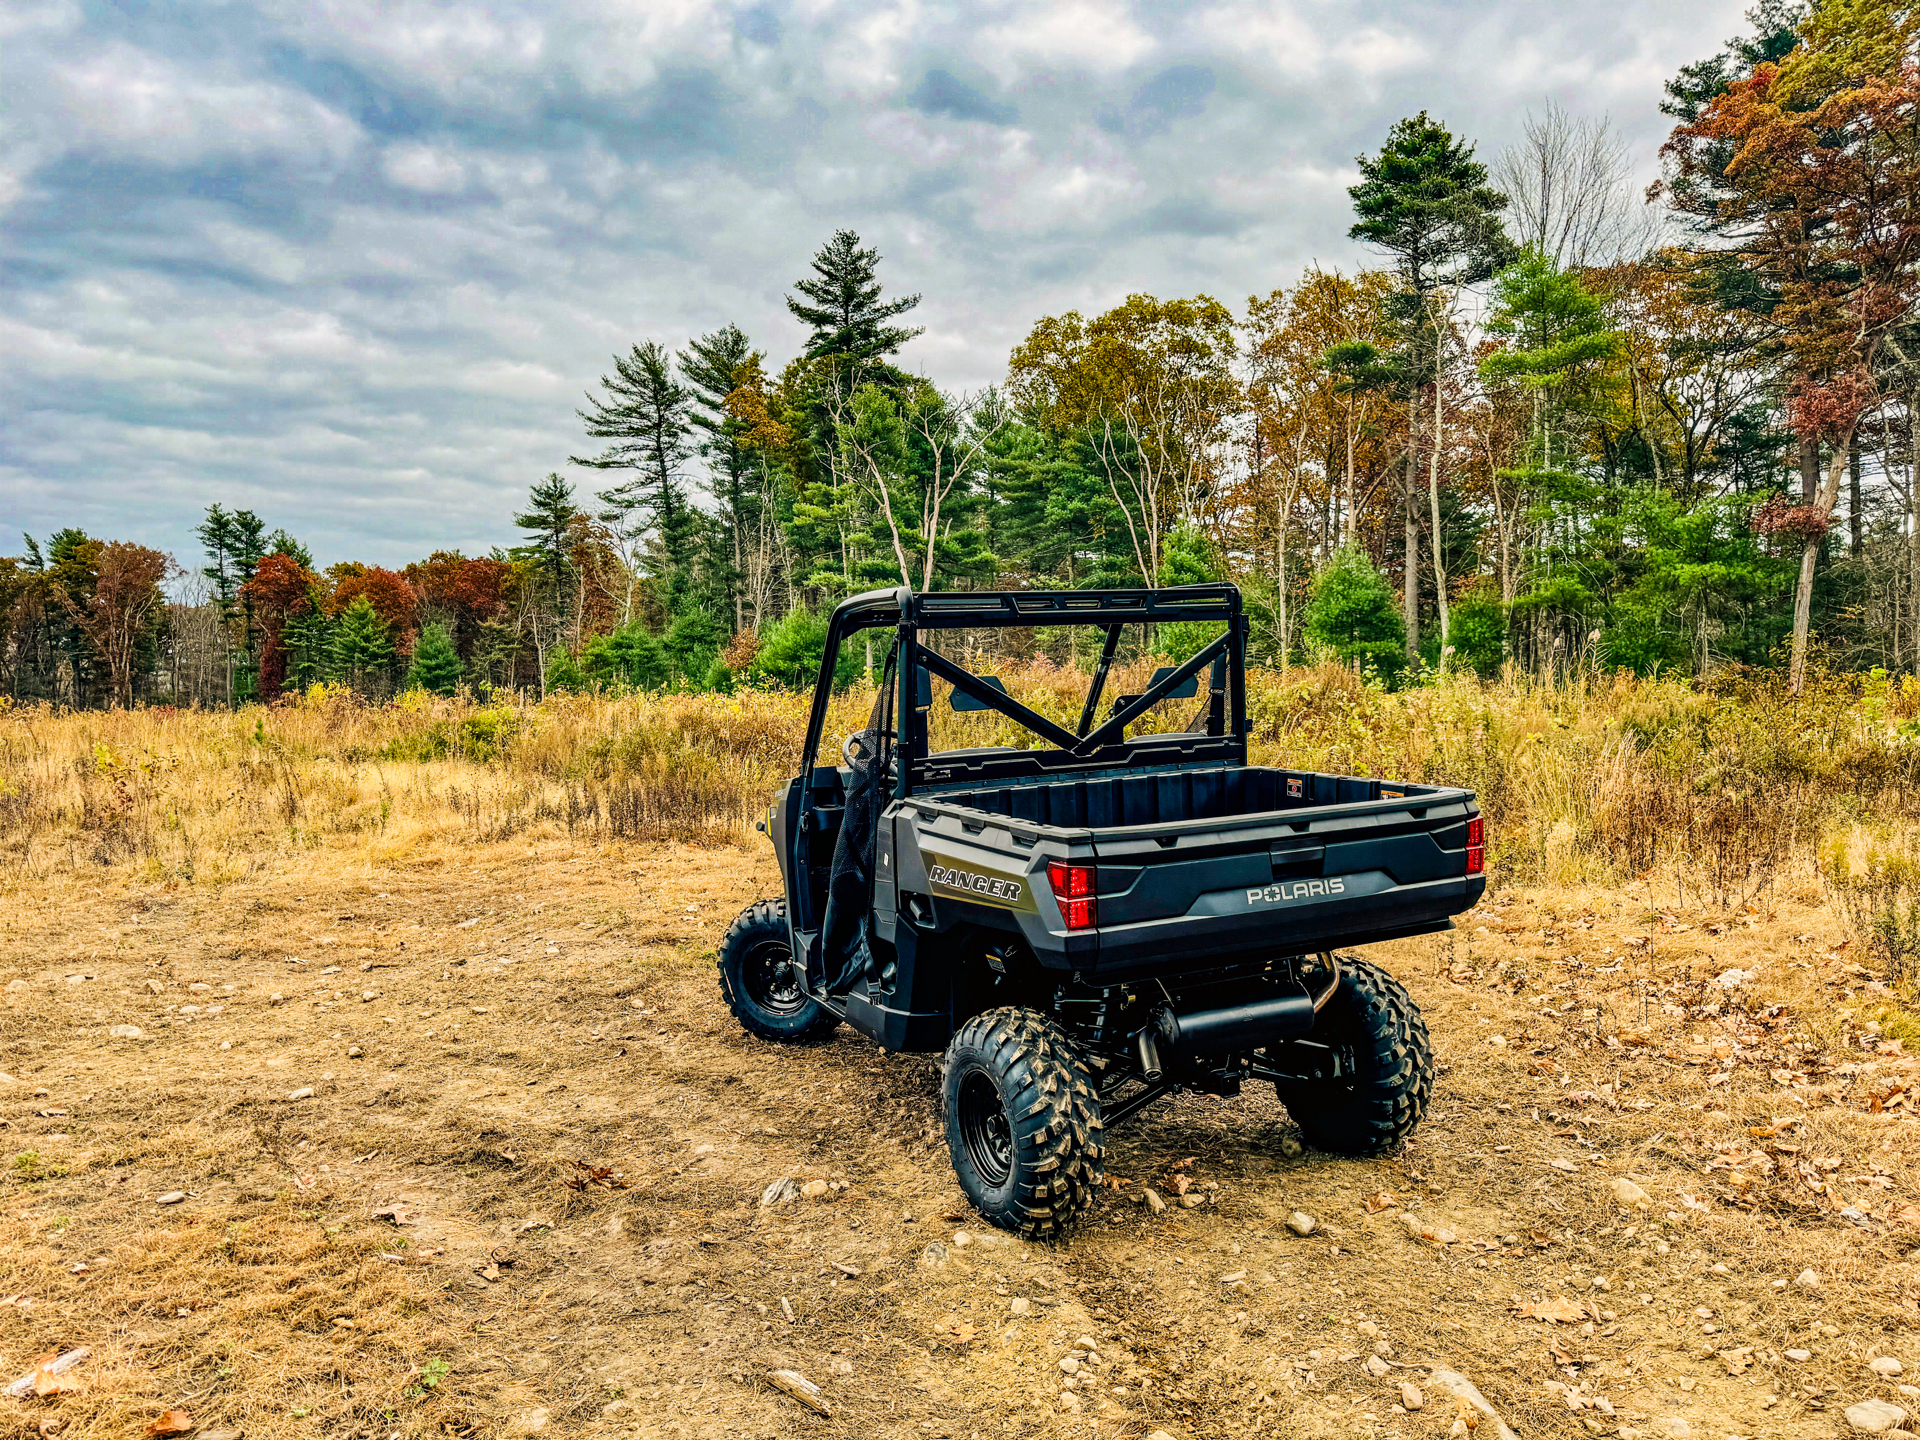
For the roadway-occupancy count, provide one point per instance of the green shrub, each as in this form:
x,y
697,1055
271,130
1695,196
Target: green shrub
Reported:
x,y
1351,612
1477,629
436,664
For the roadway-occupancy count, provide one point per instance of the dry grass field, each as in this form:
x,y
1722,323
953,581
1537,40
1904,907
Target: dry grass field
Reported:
x,y
366,1075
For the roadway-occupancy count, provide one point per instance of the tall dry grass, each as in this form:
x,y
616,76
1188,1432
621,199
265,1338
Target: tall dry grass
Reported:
x,y
1583,781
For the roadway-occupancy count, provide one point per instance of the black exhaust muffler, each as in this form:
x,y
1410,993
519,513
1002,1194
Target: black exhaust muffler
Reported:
x,y
1240,1014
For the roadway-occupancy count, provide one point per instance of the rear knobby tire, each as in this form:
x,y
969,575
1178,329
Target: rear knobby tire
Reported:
x,y
1374,1024
760,987
1023,1122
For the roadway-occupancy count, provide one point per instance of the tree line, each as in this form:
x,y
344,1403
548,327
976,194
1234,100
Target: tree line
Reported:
x,y
1563,423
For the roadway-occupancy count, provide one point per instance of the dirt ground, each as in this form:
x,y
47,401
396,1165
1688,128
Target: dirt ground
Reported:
x,y
472,1147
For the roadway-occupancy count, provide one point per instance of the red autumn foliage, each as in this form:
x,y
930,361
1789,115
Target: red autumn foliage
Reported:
x,y
279,589
388,593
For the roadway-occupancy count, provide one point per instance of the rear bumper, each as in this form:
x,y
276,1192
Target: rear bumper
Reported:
x,y
1287,918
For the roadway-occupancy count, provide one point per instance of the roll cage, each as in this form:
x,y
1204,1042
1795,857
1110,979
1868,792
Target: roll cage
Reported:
x,y
1089,746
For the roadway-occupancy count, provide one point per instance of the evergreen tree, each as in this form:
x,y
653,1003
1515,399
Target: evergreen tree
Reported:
x,y
1426,201
236,542
281,543
1351,613
436,664
714,366
363,647
548,521
848,318
646,416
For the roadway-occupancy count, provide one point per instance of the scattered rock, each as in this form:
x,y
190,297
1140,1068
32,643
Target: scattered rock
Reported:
x,y
784,1190
1732,977
1885,1366
934,1256
961,1238
170,1198
1422,1230
276,999
1070,1365
1798,1354
1192,1200
532,1422
814,1190
1153,1200
1376,1367
1291,1149
354,1053
1874,1416
305,1093
1300,1223
802,1390
1086,1343
1627,1193
1453,1383
1412,1396
1020,1305
124,1032
1809,1278
1561,1163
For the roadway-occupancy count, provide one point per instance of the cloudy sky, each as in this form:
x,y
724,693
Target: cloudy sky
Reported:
x,y
351,263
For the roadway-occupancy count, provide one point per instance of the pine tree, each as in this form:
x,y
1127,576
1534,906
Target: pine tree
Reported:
x,y
236,542
363,648
848,317
548,521
714,366
646,416
436,664
1426,201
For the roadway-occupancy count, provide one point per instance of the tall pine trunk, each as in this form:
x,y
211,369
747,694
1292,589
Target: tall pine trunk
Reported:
x,y
1434,508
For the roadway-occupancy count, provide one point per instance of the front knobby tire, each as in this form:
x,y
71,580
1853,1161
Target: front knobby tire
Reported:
x,y
759,983
1373,1023
1023,1122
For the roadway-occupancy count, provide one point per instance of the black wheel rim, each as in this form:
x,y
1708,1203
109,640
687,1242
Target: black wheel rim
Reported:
x,y
984,1128
770,981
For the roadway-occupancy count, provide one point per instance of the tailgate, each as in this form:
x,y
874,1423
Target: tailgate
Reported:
x,y
1286,882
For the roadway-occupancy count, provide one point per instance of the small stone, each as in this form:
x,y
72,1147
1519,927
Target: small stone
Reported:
x,y
200,986
1192,1200
1561,1163
1020,1305
1809,1278
1153,1200
780,1192
170,1198
154,988
1291,1147
961,1238
1070,1365
934,1256
1885,1366
276,999
1300,1223
814,1190
532,1422
1874,1416
1376,1367
614,1408
1798,1354
125,1032
1412,1396
1069,1401
1086,1343
354,1053
366,996
305,1093
1627,1193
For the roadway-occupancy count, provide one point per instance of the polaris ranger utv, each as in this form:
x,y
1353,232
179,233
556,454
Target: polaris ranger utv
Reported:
x,y
1092,924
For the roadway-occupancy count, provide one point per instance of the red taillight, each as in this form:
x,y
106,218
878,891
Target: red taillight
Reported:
x,y
1074,888
1476,848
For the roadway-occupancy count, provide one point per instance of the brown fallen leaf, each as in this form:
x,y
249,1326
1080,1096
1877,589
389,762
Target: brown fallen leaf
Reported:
x,y
176,1421
1560,1309
43,1379
1380,1201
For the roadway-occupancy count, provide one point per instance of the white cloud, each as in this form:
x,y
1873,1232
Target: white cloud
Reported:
x,y
1098,35
425,168
130,102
